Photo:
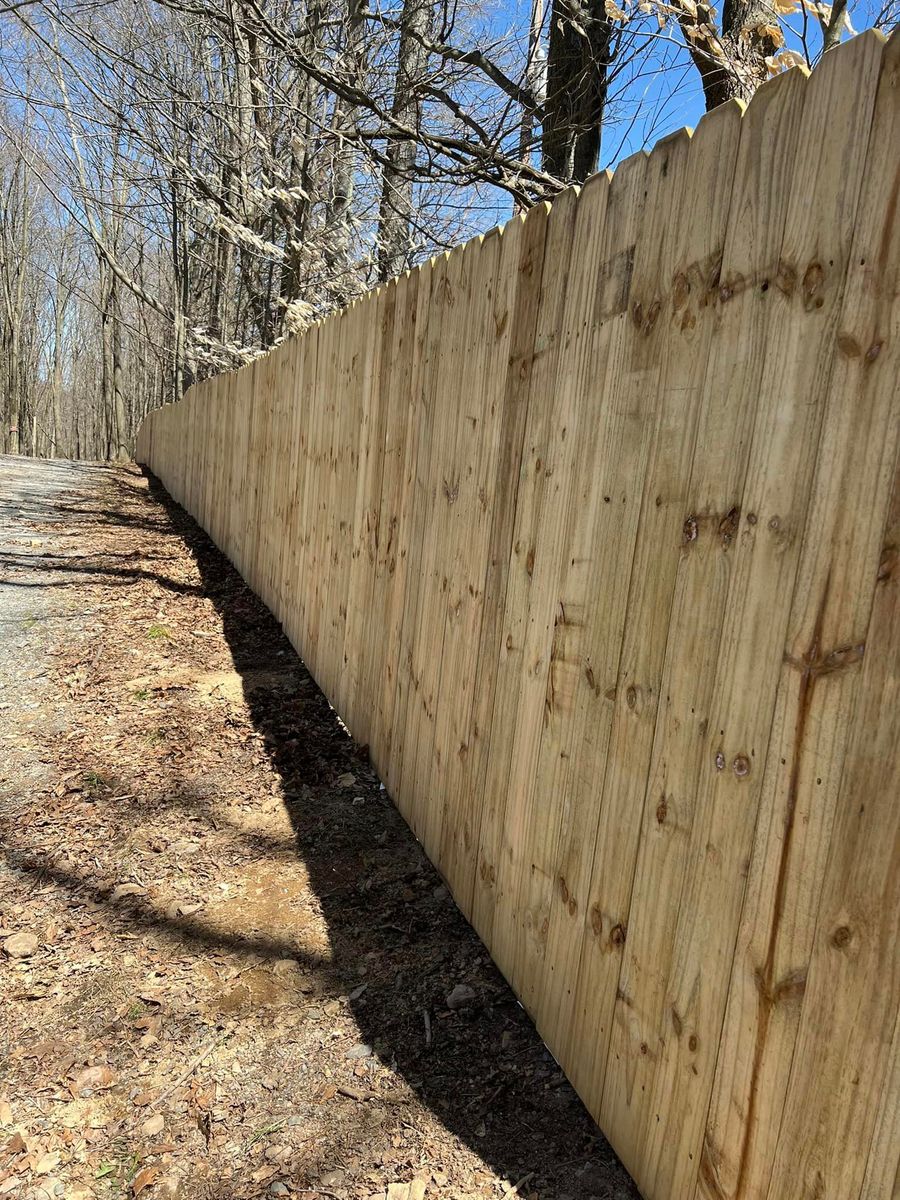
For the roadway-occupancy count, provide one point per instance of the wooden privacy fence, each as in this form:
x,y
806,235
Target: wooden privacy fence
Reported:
x,y
589,529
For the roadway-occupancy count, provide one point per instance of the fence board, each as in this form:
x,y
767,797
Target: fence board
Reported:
x,y
589,530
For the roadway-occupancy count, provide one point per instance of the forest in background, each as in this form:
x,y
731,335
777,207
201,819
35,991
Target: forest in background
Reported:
x,y
184,183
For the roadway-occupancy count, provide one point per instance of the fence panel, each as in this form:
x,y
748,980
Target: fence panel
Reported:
x,y
589,529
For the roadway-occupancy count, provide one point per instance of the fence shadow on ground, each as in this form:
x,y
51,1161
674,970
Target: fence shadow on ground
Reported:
x,y
393,928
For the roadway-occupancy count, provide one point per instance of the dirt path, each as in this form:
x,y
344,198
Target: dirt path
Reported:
x,y
35,604
226,962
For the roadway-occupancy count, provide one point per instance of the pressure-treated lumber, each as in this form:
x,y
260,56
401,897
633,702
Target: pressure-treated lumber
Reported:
x,y
590,530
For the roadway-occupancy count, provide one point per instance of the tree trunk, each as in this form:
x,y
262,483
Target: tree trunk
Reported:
x,y
337,253
396,208
577,64
14,393
733,65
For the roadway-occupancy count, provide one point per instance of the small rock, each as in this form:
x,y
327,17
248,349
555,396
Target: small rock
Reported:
x,y
360,1050
440,893
461,996
153,1125
21,945
278,1189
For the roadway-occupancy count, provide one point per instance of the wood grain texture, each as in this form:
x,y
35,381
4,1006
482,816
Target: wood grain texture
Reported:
x,y
590,530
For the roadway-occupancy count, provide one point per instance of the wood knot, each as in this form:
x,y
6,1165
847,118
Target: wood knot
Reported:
x,y
681,290
841,937
646,321
848,345
813,279
890,556
786,279
741,766
728,526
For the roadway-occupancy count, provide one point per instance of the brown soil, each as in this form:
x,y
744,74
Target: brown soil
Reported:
x,y
242,963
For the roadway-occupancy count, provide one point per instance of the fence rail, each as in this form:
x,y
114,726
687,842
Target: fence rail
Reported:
x,y
589,529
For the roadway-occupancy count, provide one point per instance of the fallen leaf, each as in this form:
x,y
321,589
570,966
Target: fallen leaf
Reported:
x,y
143,1179
46,1163
93,1079
126,889
153,1125
15,1145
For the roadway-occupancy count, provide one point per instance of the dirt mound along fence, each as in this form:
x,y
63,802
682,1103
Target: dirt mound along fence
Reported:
x,y
589,529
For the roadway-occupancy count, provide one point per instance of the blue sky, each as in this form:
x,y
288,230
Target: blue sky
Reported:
x,y
664,91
